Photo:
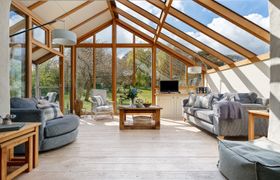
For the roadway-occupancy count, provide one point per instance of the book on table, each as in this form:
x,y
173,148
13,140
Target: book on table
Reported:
x,y
11,127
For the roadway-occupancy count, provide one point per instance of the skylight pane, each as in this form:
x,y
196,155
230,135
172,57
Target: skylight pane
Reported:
x,y
249,9
203,38
224,27
136,26
136,15
148,7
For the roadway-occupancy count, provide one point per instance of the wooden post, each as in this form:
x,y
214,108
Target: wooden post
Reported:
x,y
154,54
114,65
37,83
170,67
94,64
73,78
134,64
61,80
28,88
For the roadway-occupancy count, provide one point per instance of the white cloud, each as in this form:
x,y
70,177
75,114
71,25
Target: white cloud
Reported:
x,y
236,34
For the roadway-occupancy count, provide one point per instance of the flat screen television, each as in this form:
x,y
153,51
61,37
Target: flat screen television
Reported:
x,y
171,86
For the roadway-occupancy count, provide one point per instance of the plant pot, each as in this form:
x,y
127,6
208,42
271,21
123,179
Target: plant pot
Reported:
x,y
78,107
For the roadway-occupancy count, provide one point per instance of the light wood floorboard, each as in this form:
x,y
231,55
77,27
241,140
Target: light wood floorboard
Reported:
x,y
177,151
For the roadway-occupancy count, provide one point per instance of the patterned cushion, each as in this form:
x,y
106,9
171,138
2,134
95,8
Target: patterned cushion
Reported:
x,y
197,103
99,100
246,98
192,98
104,108
50,111
206,101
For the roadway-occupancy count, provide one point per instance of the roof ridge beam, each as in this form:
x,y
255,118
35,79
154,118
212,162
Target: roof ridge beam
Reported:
x,y
236,19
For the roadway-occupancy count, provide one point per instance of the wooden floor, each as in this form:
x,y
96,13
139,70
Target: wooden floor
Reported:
x,y
176,151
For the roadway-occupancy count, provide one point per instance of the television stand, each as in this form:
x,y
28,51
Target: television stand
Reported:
x,y
171,104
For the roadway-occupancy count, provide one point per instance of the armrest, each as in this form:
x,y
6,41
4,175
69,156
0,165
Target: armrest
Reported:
x,y
27,115
262,101
185,102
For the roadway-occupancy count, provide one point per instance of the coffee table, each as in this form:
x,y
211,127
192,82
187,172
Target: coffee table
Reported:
x,y
153,110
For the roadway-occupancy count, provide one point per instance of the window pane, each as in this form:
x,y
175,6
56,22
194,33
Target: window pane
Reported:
x,y
67,79
179,72
103,70
163,66
124,72
139,40
104,36
124,36
39,34
84,75
17,23
143,74
88,40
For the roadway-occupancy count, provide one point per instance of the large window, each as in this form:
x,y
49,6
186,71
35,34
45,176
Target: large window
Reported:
x,y
17,53
67,79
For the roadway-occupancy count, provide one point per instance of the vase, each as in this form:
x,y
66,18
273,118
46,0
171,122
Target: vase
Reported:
x,y
132,102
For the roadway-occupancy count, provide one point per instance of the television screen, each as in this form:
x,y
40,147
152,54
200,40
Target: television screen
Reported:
x,y
169,86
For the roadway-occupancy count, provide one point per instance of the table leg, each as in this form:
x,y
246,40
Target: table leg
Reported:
x,y
29,153
36,148
157,119
121,120
11,153
3,165
251,127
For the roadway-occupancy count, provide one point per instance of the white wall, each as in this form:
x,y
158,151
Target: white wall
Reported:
x,y
253,77
274,121
4,59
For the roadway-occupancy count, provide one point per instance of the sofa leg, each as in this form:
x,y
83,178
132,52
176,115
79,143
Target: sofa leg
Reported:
x,y
220,137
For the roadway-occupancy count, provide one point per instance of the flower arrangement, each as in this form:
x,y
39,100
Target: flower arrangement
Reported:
x,y
131,93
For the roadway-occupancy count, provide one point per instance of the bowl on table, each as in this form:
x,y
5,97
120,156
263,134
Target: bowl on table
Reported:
x,y
147,105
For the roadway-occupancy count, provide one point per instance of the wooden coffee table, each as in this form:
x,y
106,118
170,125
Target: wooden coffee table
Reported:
x,y
153,110
27,135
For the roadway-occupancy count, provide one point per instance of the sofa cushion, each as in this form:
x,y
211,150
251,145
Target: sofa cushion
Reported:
x,y
61,126
26,103
246,98
197,103
191,101
50,110
206,101
205,115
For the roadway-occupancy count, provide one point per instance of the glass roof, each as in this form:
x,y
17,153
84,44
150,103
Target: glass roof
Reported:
x,y
136,15
136,26
145,5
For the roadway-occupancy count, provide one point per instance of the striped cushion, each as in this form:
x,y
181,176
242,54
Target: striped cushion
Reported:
x,y
99,100
50,111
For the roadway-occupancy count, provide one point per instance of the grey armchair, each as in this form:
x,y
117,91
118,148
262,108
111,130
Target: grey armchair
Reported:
x,y
100,105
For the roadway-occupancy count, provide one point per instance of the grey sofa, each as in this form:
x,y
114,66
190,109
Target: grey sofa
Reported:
x,y
52,133
205,114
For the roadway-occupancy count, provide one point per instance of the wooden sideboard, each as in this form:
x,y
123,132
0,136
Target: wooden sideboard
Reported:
x,y
171,104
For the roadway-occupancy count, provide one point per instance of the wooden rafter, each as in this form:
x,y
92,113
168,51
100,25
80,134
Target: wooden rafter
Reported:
x,y
36,48
189,51
94,31
36,4
198,44
51,50
17,27
133,19
44,58
111,5
159,45
163,16
28,12
139,10
72,11
213,34
89,19
236,19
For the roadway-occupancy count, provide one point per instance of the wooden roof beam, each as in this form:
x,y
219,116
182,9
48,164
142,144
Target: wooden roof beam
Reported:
x,y
39,44
189,51
159,45
139,10
89,19
72,11
198,44
36,4
111,4
94,31
44,58
236,19
213,34
163,16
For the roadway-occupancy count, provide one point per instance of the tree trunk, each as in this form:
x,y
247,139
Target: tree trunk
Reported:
x,y
88,88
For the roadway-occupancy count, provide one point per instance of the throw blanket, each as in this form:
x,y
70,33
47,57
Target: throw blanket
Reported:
x,y
229,110
50,111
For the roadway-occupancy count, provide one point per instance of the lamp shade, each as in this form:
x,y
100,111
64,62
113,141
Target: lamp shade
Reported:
x,y
64,37
194,70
